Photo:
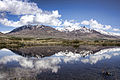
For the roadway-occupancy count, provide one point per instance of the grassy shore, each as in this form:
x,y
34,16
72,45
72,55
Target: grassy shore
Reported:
x,y
6,42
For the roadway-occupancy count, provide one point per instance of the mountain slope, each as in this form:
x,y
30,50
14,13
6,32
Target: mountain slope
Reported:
x,y
1,34
37,31
41,31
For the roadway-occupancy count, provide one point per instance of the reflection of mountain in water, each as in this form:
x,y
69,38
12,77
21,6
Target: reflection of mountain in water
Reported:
x,y
102,54
44,51
53,62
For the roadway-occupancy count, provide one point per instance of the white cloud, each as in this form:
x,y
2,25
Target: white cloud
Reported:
x,y
108,33
6,22
108,27
104,29
95,25
5,31
69,26
114,33
19,7
30,14
48,18
115,29
85,22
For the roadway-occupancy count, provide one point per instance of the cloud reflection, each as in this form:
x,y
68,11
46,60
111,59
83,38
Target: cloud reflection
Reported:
x,y
53,62
103,54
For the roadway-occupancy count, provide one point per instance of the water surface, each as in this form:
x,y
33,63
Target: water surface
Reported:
x,y
62,65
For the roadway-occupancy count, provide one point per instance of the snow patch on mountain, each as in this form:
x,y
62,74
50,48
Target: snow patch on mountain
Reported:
x,y
108,33
85,30
70,29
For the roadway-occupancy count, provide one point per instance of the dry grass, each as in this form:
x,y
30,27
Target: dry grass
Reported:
x,y
20,42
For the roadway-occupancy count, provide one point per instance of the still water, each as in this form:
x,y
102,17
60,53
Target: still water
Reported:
x,y
63,65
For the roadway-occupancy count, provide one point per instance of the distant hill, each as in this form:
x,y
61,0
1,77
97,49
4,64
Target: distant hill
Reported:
x,y
1,34
42,31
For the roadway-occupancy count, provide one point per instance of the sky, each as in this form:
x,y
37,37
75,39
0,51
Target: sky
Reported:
x,y
101,15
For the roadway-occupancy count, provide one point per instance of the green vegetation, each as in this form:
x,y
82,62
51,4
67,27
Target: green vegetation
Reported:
x,y
6,42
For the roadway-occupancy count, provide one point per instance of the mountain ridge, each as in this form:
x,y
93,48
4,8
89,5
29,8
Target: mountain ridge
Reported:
x,y
1,34
42,31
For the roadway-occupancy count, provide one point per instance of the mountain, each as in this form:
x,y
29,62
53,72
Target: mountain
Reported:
x,y
1,34
42,31
37,31
74,28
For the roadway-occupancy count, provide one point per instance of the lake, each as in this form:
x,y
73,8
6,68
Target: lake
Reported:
x,y
60,63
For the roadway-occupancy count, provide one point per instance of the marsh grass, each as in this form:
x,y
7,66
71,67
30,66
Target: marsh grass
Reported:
x,y
6,42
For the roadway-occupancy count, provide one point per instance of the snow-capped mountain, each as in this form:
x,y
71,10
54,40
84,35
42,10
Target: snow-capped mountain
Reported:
x,y
1,34
70,28
109,33
85,30
42,31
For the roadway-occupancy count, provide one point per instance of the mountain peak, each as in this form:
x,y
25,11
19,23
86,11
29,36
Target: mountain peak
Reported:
x,y
82,29
27,27
42,31
1,33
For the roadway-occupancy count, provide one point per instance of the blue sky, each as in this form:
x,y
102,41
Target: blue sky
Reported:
x,y
104,11
97,12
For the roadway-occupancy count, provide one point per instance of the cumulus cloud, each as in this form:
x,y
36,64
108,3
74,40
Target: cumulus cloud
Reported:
x,y
107,27
108,33
5,31
48,18
104,29
114,33
19,7
85,22
116,29
10,23
30,14
95,25
69,26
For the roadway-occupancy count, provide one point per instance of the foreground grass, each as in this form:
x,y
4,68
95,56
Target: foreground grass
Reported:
x,y
6,42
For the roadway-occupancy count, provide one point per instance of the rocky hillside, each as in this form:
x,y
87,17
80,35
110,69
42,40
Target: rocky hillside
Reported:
x,y
1,34
37,31
41,31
